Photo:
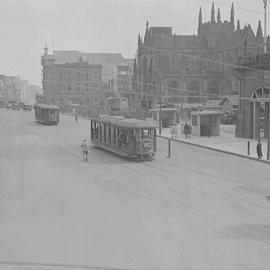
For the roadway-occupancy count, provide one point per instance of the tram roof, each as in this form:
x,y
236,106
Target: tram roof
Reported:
x,y
125,122
47,106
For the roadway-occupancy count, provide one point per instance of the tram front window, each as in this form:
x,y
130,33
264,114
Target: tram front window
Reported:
x,y
147,134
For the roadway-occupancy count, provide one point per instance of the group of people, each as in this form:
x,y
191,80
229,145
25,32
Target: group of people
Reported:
x,y
187,129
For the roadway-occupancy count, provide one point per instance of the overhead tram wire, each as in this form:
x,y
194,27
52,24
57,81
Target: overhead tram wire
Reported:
x,y
121,42
202,94
142,46
147,47
98,89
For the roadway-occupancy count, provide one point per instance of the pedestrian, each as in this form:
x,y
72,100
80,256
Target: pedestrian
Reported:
x,y
259,149
186,129
85,150
76,118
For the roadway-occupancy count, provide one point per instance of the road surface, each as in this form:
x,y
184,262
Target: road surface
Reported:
x,y
198,209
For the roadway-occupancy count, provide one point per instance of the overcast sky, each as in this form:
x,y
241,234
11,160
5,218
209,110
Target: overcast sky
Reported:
x,y
97,26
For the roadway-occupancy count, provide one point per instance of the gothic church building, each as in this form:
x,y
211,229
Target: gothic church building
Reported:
x,y
192,68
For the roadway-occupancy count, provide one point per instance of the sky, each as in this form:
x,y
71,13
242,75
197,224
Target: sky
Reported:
x,y
98,26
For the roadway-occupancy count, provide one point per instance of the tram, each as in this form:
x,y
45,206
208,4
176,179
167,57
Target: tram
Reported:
x,y
131,138
47,114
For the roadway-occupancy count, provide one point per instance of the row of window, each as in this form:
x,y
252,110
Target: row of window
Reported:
x,y
72,75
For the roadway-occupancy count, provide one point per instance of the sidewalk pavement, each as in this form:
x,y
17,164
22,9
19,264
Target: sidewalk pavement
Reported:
x,y
225,142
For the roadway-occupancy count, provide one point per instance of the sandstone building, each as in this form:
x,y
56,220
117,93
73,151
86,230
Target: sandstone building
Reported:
x,y
192,68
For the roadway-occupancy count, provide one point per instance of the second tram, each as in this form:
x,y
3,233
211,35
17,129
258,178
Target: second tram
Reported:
x,y
130,138
47,114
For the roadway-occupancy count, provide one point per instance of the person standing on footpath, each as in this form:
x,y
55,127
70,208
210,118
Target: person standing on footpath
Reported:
x,y
85,150
259,149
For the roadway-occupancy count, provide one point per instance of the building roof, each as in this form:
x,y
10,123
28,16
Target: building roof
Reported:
x,y
233,99
47,106
124,122
206,113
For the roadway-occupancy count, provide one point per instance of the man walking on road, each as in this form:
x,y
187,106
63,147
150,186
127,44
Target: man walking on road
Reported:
x,y
85,150
76,118
259,149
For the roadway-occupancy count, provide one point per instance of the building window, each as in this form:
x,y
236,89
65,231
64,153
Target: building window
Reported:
x,y
194,120
86,87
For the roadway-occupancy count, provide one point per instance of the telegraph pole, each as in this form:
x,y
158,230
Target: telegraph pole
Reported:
x,y
265,51
160,120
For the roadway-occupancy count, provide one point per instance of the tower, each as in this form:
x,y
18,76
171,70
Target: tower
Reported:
x,y
218,16
259,34
213,20
200,19
232,15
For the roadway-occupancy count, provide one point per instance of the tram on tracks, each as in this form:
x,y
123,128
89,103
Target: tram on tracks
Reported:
x,y
130,138
47,114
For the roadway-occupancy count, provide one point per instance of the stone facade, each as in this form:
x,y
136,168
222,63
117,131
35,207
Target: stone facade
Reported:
x,y
254,115
192,68
71,82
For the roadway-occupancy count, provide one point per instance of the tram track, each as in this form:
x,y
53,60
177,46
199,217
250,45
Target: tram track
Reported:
x,y
151,185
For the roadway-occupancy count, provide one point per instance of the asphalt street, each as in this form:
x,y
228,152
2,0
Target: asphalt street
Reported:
x,y
197,209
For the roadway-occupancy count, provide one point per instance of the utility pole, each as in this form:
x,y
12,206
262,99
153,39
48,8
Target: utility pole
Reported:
x,y
160,99
265,51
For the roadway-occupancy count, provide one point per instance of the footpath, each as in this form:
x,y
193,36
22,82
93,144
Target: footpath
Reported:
x,y
226,142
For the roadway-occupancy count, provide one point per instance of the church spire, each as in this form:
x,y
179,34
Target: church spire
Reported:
x,y
259,34
218,16
238,29
213,20
200,17
232,14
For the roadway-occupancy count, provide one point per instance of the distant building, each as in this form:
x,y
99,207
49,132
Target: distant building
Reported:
x,y
15,89
190,68
253,118
122,83
71,80
108,61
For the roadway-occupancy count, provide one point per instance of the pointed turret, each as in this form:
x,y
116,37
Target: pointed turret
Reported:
x,y
232,14
213,20
218,16
238,29
146,31
259,34
200,18
135,68
139,40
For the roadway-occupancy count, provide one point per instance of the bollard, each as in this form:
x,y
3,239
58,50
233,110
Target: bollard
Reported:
x,y
248,148
169,148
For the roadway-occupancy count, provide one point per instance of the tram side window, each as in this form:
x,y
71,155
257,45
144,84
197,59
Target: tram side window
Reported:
x,y
52,111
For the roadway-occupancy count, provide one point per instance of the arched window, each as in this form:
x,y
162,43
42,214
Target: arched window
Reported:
x,y
261,93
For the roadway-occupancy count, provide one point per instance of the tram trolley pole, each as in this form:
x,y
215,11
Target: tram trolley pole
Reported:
x,y
169,148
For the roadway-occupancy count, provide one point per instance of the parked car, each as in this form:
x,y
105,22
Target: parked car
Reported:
x,y
16,106
27,107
